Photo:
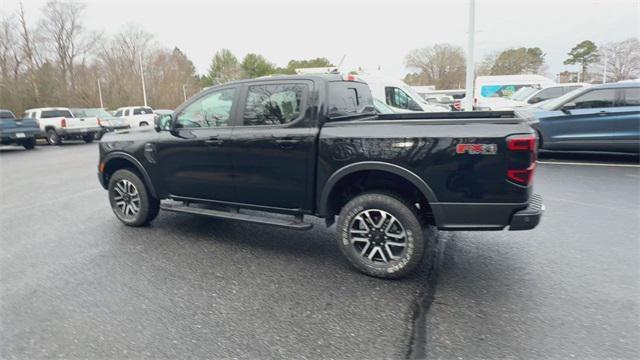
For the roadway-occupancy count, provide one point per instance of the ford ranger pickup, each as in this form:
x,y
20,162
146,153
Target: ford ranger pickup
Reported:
x,y
259,149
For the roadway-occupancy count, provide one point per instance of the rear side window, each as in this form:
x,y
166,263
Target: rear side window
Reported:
x,y
349,98
55,113
596,99
631,97
274,104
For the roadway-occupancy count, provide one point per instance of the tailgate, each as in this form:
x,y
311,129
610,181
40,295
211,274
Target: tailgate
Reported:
x,y
82,123
18,125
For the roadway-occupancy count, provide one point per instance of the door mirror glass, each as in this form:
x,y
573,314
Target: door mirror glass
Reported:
x,y
162,122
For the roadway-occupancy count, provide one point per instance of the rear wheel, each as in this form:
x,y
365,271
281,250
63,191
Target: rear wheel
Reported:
x,y
144,123
380,235
130,200
53,138
29,143
88,138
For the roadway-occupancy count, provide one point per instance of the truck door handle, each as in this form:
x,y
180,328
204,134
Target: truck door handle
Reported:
x,y
287,143
213,141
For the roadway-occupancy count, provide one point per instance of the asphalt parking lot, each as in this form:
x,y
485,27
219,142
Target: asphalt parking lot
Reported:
x,y
75,283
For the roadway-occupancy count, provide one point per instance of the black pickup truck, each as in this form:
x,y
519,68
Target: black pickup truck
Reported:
x,y
313,145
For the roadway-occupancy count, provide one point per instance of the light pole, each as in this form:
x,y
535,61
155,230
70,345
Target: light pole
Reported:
x,y
468,104
144,91
100,95
184,92
604,71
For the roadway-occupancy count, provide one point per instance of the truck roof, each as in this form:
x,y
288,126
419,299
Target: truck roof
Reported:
x,y
48,109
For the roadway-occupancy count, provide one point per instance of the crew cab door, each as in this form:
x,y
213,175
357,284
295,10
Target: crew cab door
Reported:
x,y
195,161
274,146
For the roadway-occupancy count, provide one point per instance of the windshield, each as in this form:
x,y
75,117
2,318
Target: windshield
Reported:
x,y
555,103
97,112
522,93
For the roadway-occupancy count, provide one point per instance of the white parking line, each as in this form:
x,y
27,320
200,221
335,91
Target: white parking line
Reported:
x,y
587,164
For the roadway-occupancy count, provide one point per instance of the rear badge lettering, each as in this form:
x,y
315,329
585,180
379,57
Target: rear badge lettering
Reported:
x,y
477,149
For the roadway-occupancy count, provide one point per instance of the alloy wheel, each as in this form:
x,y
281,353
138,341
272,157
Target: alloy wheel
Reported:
x,y
378,236
127,198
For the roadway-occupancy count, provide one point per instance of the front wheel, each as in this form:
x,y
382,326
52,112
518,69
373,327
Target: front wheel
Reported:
x,y
130,200
380,235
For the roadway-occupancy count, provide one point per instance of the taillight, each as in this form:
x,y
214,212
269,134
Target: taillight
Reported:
x,y
520,144
457,105
63,123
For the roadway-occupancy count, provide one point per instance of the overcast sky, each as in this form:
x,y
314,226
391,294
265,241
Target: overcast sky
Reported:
x,y
371,34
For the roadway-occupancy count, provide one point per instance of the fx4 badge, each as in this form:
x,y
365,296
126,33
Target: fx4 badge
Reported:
x,y
477,149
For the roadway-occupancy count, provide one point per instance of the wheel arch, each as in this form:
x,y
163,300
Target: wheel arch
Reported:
x,y
119,160
330,187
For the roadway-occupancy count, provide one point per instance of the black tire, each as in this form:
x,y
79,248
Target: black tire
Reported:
x,y
407,257
148,206
53,138
29,144
88,138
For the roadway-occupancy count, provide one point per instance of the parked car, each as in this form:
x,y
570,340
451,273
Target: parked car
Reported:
x,y
315,146
491,91
136,116
106,121
59,124
532,95
397,94
23,132
597,118
162,111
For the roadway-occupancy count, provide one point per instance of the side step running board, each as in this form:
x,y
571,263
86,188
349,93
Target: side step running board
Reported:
x,y
289,224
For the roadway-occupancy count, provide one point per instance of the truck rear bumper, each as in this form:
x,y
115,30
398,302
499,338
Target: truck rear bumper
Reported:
x,y
77,132
528,218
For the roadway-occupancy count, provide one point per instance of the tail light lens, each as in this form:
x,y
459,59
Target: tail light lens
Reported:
x,y
63,123
519,144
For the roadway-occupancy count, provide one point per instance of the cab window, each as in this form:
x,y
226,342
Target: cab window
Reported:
x,y
273,104
211,110
396,97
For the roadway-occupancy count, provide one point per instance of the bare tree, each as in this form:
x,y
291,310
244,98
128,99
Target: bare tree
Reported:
x,y
442,65
29,52
623,60
62,27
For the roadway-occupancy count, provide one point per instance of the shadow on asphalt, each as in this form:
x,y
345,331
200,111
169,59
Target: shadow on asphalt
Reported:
x,y
587,157
14,149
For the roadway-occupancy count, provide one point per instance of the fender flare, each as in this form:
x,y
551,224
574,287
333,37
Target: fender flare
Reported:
x,y
406,174
124,156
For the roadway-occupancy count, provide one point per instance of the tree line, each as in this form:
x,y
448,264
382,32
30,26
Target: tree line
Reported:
x,y
58,61
444,65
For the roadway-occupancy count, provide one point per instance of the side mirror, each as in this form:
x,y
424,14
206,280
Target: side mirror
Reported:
x,y
413,105
568,106
534,100
162,122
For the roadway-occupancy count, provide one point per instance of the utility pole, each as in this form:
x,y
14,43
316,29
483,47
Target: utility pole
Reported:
x,y
144,91
184,92
468,104
100,94
604,71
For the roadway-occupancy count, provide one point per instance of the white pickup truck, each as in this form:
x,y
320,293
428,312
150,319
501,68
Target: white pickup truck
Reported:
x,y
59,124
137,116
